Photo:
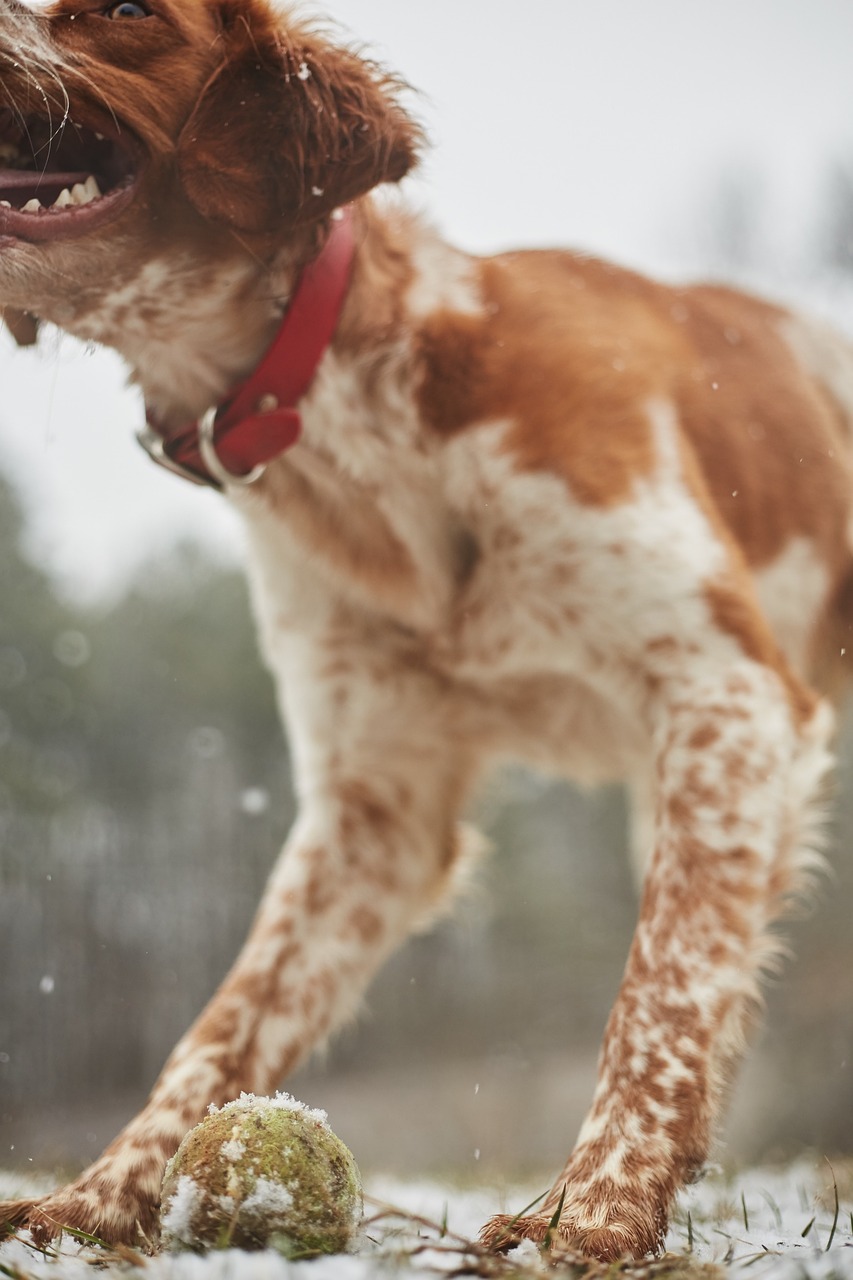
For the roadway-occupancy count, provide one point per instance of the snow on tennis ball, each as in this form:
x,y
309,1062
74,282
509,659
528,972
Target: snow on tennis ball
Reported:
x,y
261,1173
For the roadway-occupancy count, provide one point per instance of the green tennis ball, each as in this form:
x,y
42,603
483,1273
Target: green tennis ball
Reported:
x,y
261,1173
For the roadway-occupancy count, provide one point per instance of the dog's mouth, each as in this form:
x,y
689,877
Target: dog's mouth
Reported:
x,y
63,179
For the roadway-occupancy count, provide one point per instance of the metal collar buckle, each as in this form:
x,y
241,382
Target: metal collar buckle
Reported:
x,y
155,446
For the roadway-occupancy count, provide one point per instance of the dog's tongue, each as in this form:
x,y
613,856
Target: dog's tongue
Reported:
x,y
17,186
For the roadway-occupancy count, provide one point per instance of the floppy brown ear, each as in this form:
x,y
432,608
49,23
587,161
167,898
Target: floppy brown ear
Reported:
x,y
289,128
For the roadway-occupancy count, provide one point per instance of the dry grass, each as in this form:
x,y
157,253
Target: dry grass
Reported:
x,y
793,1223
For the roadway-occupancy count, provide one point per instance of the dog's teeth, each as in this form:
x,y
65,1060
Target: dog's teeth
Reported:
x,y
85,192
32,206
63,199
5,204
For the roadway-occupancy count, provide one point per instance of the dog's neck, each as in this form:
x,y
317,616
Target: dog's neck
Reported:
x,y
260,419
209,331
190,329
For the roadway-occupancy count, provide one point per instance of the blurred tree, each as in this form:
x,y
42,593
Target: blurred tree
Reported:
x,y
178,678
836,242
44,704
143,793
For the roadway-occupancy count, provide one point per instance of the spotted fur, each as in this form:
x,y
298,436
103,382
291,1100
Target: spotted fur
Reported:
x,y
542,508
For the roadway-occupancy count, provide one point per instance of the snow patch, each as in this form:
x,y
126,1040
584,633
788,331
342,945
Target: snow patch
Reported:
x,y
177,1221
268,1199
751,1226
279,1102
233,1150
526,1254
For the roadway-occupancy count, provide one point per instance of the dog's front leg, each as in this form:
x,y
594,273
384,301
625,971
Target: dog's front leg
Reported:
x,y
736,764
371,854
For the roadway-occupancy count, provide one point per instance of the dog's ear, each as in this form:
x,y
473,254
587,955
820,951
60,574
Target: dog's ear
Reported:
x,y
289,128
22,326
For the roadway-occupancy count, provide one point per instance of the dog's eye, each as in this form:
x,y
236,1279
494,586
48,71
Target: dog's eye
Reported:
x,y
127,9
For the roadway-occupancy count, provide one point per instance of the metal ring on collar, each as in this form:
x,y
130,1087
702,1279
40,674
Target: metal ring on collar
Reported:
x,y
207,449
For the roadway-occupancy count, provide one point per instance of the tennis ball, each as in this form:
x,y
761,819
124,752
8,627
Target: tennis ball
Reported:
x,y
261,1173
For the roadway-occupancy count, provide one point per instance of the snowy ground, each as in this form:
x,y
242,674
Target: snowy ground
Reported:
x,y
791,1224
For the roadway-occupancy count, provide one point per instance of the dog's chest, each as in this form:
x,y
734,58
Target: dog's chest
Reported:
x,y
496,611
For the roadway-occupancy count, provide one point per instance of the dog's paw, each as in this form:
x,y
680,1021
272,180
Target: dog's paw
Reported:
x,y
632,1235
111,1218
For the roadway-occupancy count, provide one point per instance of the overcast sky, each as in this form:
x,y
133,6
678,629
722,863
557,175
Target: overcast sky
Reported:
x,y
602,124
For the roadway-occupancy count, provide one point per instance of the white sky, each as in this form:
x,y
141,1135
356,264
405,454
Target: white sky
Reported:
x,y
597,123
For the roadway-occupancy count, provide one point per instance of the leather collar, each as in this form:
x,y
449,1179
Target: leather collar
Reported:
x,y
259,419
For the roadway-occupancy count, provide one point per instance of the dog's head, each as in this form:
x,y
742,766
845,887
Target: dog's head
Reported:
x,y
127,122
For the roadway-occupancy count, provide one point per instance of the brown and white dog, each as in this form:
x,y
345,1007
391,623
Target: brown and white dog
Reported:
x,y
529,506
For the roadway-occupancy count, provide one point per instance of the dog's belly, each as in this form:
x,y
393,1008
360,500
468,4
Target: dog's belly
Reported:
x,y
555,723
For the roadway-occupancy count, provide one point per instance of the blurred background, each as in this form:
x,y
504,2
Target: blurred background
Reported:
x,y
143,778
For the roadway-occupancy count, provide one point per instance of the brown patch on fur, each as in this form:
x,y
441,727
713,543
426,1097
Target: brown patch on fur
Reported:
x,y
760,427
565,416
367,835
705,736
365,924
321,890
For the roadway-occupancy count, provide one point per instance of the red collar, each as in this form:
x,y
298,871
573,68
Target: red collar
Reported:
x,y
258,420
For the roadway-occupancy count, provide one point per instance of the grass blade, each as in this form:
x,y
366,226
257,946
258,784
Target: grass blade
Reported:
x,y
835,1218
86,1238
555,1221
774,1208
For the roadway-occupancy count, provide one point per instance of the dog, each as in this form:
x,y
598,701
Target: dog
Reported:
x,y
530,506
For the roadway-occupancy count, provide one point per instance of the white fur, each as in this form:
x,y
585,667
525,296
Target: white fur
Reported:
x,y
793,590
444,280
